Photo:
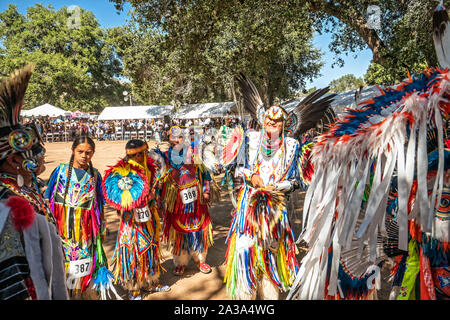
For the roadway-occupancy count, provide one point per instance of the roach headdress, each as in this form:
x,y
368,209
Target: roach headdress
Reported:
x,y
16,137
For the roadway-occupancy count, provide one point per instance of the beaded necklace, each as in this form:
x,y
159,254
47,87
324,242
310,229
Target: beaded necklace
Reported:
x,y
271,146
181,159
10,182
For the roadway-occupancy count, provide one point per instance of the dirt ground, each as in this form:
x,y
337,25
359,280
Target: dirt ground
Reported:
x,y
193,285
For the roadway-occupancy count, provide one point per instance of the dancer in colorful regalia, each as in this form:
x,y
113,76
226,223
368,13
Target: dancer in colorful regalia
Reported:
x,y
31,260
261,254
223,134
76,200
129,188
380,193
185,190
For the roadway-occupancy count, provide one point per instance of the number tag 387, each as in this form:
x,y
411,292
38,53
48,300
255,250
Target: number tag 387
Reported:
x,y
188,195
80,268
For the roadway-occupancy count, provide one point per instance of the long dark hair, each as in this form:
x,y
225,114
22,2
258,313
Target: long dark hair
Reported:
x,y
77,141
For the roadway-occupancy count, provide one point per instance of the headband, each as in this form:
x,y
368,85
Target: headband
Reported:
x,y
132,151
275,113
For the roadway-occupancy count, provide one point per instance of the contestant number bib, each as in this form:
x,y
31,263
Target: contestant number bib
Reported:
x,y
142,214
80,268
188,195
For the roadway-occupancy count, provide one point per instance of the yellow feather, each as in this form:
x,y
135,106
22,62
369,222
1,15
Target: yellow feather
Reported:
x,y
123,171
126,200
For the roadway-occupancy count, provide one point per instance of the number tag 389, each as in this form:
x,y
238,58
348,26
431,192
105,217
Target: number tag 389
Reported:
x,y
188,195
142,214
80,268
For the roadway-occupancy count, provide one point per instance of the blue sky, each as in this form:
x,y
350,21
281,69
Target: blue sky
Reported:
x,y
107,16
357,66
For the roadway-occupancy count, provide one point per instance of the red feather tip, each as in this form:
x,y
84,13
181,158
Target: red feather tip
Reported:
x,y
22,212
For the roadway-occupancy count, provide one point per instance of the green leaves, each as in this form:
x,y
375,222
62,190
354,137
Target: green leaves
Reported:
x,y
345,83
198,46
75,67
403,42
270,42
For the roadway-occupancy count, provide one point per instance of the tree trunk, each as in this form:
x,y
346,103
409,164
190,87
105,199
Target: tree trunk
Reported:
x,y
355,20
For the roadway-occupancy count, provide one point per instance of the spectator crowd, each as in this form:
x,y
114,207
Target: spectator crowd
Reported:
x,y
66,129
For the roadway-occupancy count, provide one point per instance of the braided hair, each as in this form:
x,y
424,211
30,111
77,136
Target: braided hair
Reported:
x,y
94,177
77,141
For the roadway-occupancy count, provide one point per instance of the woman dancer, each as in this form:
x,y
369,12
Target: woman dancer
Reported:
x,y
76,201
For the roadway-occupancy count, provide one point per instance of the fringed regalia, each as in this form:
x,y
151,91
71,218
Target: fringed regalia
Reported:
x,y
136,260
261,240
305,166
31,261
261,253
80,223
187,223
380,191
228,154
222,137
19,255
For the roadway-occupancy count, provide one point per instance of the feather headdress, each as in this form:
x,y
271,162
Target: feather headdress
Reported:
x,y
15,136
380,170
252,103
312,110
12,93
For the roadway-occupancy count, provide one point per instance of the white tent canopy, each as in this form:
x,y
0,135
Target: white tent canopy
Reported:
x,y
204,110
134,112
342,100
44,110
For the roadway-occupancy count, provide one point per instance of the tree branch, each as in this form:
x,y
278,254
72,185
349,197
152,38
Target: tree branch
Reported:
x,y
355,20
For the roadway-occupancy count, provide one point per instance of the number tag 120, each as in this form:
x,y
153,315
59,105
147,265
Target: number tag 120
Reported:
x,y
80,268
188,195
142,214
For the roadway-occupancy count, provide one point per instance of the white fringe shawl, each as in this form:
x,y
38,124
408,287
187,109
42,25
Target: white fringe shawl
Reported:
x,y
339,165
